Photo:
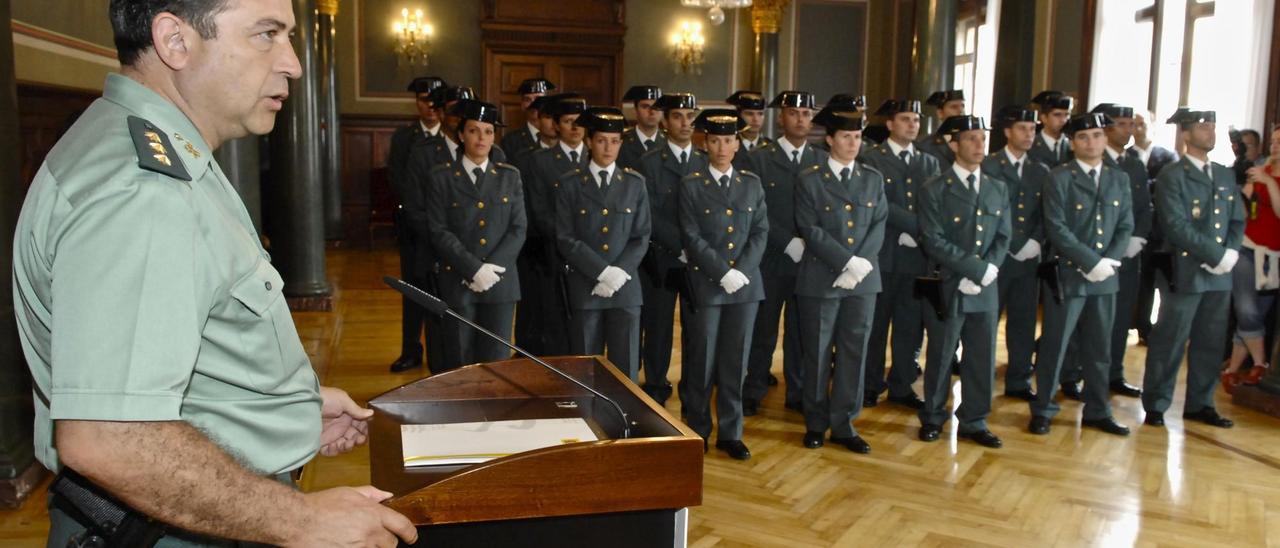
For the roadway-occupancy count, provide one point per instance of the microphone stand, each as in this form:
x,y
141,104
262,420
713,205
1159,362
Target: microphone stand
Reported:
x,y
438,307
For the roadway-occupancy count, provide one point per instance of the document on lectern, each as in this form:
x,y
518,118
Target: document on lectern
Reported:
x,y
476,442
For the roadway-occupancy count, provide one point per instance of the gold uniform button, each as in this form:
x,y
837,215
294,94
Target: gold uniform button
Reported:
x,y
1020,206
728,212
908,179
1099,231
848,207
1217,225
1184,253
628,210
484,241
828,208
504,199
850,240
1217,211
732,262
730,245
980,229
604,211
1079,207
482,223
730,230
479,205
1219,239
1115,203
849,224
908,193
604,247
979,242
1098,245
979,212
582,212
957,219
1099,217
1022,219
604,230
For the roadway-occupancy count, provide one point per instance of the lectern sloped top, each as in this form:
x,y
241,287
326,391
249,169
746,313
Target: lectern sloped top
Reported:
x,y
658,467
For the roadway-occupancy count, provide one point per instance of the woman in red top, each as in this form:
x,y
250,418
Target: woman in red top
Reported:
x,y
1256,276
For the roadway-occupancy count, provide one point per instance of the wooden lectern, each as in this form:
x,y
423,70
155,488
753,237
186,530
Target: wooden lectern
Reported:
x,y
612,492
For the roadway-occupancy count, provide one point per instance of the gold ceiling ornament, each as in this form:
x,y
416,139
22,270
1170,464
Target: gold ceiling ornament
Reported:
x,y
766,15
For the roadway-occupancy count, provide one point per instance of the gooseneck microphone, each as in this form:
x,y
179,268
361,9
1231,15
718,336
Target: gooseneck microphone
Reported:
x,y
439,308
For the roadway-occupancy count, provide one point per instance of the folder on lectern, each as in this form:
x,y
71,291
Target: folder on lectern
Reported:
x,y
573,491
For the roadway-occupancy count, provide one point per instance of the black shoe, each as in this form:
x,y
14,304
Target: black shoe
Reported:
x,y
855,444
870,399
750,408
1209,416
773,380
1025,394
1119,386
1039,426
405,363
1108,425
813,440
735,448
930,432
1071,390
1154,418
984,438
910,400
795,406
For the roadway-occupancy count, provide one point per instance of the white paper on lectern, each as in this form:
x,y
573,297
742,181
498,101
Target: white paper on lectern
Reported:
x,y
475,442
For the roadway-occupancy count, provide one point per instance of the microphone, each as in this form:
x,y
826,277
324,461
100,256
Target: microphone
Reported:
x,y
439,308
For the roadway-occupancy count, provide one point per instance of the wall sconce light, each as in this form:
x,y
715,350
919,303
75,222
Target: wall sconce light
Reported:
x,y
413,37
686,48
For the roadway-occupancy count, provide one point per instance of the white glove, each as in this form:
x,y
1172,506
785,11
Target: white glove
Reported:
x,y
846,280
1030,250
795,249
905,239
602,290
1101,271
969,288
1228,262
486,276
684,257
1114,263
858,267
733,280
1135,247
613,277
991,274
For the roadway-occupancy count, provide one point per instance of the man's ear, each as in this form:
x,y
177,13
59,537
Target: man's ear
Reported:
x,y
170,37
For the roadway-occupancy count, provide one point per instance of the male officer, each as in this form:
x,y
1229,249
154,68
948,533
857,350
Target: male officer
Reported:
x,y
964,222
723,226
476,217
646,135
1203,227
602,228
1051,148
1154,158
545,306
901,260
1018,284
1088,218
519,141
840,212
778,164
402,141
170,384
662,272
750,105
946,104
538,292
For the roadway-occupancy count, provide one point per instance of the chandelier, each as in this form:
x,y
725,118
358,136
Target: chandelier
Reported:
x,y
686,48
717,7
413,37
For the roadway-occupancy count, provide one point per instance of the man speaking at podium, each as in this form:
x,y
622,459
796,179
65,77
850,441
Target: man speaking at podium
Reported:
x,y
173,396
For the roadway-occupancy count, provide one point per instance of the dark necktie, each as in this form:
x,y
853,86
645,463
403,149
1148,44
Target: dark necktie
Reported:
x,y
971,179
1208,172
573,156
1093,176
724,181
648,144
795,157
604,178
1017,167
477,172
1057,150
684,157
906,157
844,175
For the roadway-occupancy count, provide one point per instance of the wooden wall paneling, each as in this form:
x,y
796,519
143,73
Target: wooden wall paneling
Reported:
x,y
367,201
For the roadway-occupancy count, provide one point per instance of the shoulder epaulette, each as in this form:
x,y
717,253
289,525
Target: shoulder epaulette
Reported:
x,y
504,165
748,173
870,168
155,151
811,169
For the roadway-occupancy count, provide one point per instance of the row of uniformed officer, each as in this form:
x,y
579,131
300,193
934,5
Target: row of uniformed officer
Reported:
x,y
946,104
647,134
537,276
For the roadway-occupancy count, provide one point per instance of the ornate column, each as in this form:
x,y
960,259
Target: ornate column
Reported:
x,y
330,133
295,195
19,471
766,19
933,61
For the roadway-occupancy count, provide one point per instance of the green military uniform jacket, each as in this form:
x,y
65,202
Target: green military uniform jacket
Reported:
x,y
742,158
963,232
839,220
1201,220
1143,212
902,185
546,167
723,229
779,175
601,227
936,145
633,149
1026,217
1041,152
662,175
476,223
517,142
143,293
1086,223
402,142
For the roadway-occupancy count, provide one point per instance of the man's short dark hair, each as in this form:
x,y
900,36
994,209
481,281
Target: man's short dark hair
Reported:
x,y
1256,136
131,22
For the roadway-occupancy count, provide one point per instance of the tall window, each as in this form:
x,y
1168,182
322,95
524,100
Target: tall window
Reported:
x,y
1208,54
976,53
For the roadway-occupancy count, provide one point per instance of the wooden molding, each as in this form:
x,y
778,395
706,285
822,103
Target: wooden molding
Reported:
x,y
33,31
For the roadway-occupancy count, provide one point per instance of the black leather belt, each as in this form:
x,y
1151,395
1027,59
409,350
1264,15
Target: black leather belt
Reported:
x,y
108,522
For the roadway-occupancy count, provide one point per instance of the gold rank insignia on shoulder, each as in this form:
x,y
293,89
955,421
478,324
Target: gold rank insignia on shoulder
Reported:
x,y
191,149
1196,212
154,150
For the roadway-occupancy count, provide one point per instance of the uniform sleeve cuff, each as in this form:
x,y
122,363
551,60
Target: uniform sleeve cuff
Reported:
x,y
113,406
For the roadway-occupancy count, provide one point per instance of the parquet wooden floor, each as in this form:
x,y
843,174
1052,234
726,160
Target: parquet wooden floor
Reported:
x,y
1184,485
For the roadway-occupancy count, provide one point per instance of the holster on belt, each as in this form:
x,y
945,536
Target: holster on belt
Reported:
x,y
108,522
